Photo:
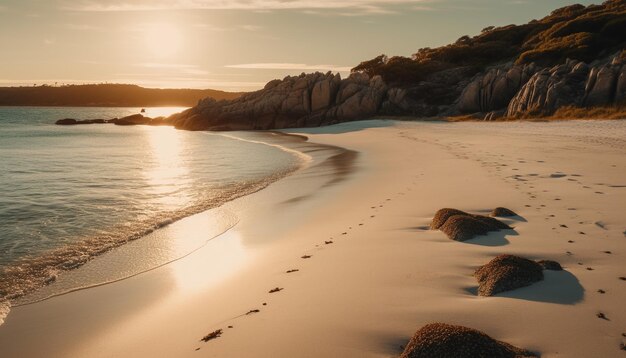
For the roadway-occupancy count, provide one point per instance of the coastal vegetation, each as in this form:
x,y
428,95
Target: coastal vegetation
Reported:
x,y
106,95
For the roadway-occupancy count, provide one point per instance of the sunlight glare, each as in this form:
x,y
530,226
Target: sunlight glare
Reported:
x,y
169,170
163,40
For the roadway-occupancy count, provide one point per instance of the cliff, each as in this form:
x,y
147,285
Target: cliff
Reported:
x,y
574,57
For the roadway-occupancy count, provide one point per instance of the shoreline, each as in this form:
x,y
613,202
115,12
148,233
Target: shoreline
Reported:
x,y
383,275
68,280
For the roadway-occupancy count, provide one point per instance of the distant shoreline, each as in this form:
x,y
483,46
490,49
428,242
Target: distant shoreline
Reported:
x,y
106,95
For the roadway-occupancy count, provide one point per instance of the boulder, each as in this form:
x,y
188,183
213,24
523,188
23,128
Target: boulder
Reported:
x,y
295,101
503,212
461,226
571,84
505,273
439,340
550,265
494,89
442,215
602,85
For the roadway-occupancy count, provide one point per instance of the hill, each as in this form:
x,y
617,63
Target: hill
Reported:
x,y
106,95
571,62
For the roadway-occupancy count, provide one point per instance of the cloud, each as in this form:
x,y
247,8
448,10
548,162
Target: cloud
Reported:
x,y
363,6
291,66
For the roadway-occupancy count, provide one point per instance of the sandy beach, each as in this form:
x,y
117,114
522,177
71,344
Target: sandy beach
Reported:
x,y
366,270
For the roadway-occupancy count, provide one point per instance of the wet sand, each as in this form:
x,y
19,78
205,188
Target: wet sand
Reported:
x,y
337,260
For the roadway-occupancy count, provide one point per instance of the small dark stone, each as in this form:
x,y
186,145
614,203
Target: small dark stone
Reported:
x,y
503,212
601,291
277,289
306,256
293,270
602,316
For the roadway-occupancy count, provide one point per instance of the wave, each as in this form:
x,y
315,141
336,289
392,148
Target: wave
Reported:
x,y
28,274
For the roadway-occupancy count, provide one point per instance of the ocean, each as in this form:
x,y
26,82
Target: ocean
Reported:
x,y
71,193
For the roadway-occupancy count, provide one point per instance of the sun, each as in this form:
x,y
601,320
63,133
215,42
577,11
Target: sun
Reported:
x,y
163,40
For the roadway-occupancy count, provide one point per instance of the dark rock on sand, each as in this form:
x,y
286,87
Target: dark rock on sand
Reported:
x,y
461,226
503,212
550,265
440,340
505,273
442,215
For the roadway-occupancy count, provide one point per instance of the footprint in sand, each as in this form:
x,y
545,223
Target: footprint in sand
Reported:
x,y
557,175
602,316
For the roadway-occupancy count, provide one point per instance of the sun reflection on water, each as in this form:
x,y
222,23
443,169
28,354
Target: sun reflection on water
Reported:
x,y
167,172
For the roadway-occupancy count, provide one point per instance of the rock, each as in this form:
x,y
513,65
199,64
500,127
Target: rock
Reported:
x,y
307,100
445,340
571,84
494,89
602,84
494,115
503,212
550,265
71,121
442,215
131,120
505,273
461,226
466,227
66,122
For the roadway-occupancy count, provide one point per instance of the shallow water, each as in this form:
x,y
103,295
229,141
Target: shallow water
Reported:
x,y
70,193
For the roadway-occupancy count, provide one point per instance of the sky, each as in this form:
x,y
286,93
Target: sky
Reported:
x,y
232,45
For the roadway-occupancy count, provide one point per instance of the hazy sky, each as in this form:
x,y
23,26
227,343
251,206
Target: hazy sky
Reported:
x,y
229,44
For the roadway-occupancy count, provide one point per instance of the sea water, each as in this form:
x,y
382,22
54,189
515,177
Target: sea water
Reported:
x,y
71,193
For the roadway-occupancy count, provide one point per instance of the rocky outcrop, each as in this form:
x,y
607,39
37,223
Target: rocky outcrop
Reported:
x,y
72,121
132,120
494,90
446,340
296,101
573,83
